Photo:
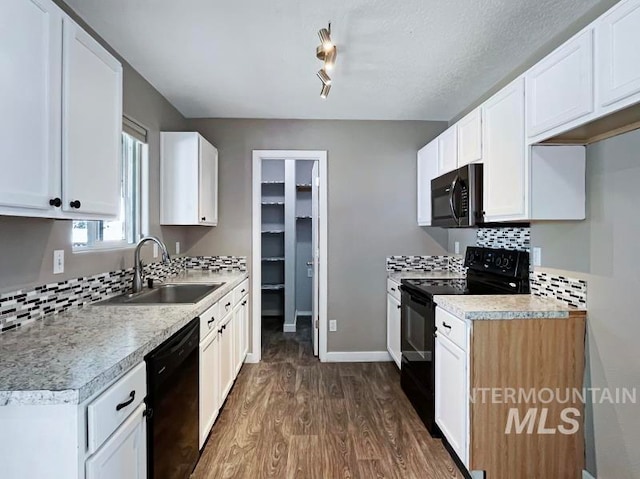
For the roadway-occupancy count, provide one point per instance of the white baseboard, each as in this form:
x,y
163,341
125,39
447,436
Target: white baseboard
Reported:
x,y
586,475
358,356
289,328
251,358
303,313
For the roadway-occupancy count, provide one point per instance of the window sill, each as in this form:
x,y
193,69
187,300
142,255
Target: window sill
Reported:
x,y
106,247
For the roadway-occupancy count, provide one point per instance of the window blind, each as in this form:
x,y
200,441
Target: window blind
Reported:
x,y
134,129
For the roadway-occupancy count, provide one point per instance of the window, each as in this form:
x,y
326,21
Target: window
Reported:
x,y
127,229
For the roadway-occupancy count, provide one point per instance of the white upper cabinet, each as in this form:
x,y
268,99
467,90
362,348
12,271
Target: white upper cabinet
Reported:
x,y
618,60
504,150
61,95
31,98
470,138
560,87
448,150
189,180
92,125
427,170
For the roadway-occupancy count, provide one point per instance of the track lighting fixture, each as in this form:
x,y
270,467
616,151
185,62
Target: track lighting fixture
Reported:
x,y
326,52
324,93
324,78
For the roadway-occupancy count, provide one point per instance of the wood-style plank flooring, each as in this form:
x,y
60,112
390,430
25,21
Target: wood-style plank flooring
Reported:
x,y
291,416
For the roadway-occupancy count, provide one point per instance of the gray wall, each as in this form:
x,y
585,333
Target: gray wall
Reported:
x,y
372,210
602,250
27,244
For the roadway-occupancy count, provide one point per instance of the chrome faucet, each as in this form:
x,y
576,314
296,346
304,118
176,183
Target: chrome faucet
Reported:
x,y
137,262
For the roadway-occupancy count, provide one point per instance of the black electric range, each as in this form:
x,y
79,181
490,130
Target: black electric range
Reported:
x,y
489,271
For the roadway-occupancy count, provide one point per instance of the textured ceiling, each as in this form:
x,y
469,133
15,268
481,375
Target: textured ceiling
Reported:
x,y
397,59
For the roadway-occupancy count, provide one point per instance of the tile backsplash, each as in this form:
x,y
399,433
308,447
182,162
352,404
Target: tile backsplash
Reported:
x,y
23,306
568,290
507,238
418,263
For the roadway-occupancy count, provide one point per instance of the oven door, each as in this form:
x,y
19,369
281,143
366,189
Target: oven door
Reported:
x,y
417,328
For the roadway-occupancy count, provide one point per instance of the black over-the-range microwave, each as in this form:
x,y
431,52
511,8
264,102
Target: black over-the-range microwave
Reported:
x,y
456,198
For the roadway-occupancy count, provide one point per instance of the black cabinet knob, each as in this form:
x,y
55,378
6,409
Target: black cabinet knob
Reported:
x,y
57,202
204,218
75,204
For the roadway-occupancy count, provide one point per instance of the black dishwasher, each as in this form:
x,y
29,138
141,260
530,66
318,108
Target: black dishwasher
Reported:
x,y
172,403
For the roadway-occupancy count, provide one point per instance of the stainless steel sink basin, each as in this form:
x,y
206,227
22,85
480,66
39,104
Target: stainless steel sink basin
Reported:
x,y
183,293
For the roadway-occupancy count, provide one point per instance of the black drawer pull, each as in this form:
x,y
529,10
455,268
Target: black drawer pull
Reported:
x,y
75,204
220,331
393,289
224,326
446,325
57,202
211,321
242,291
122,405
244,302
227,305
399,306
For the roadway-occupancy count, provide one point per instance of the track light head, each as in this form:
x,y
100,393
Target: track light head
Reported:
x,y
330,59
324,93
325,38
324,78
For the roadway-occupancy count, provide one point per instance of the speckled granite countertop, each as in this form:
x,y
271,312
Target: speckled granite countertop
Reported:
x,y
66,358
400,275
514,306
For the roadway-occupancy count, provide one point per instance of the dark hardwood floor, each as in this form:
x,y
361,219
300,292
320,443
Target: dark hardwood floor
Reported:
x,y
291,416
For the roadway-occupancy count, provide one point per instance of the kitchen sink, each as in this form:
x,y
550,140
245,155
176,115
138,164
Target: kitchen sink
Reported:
x,y
183,293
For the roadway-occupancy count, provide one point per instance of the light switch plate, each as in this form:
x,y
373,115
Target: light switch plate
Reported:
x,y
457,247
537,256
310,272
155,250
177,247
333,325
58,261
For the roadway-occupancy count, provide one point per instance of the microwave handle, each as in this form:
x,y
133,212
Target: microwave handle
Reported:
x,y
451,193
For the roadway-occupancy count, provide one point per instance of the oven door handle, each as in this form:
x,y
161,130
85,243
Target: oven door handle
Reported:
x,y
452,191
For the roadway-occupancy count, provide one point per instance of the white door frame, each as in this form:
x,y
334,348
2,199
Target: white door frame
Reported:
x,y
256,245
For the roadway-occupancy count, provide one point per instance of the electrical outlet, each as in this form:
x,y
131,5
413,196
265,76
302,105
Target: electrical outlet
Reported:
x,y
177,247
457,247
310,272
155,250
537,256
58,261
333,325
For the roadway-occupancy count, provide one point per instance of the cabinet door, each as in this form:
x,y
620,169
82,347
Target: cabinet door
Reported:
x,y
124,455
226,358
618,36
470,138
245,327
504,152
237,339
209,385
92,125
448,151
427,170
560,87
452,395
393,329
208,187
31,99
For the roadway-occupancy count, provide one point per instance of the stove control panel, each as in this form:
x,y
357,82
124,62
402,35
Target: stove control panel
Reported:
x,y
498,261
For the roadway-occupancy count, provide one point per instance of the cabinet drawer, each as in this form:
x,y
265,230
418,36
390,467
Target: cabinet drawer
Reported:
x,y
240,291
209,319
226,304
451,327
111,408
393,289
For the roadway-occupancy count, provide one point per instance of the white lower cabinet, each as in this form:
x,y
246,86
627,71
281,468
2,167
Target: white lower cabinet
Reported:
x,y
452,383
124,455
227,362
393,329
209,384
